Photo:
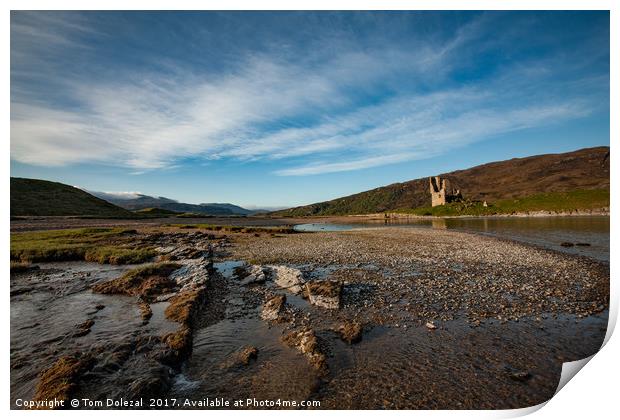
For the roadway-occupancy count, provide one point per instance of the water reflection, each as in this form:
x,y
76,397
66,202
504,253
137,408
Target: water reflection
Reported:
x,y
439,224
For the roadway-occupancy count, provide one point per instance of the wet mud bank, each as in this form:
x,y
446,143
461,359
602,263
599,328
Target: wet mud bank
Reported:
x,y
383,318
85,330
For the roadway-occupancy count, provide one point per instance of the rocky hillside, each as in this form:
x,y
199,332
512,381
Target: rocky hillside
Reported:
x,y
585,169
35,197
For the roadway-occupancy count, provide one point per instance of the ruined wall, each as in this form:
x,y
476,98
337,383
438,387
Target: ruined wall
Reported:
x,y
441,192
438,191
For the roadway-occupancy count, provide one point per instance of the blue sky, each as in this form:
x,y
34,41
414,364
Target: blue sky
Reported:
x,y
274,109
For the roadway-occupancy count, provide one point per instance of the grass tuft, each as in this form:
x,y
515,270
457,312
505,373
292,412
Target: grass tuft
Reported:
x,y
148,281
58,381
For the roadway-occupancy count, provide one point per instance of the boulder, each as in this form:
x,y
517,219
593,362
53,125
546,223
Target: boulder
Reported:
x,y
350,332
193,273
253,274
517,374
287,277
272,309
306,342
241,357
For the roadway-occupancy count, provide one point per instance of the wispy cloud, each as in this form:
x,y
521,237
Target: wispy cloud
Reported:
x,y
274,108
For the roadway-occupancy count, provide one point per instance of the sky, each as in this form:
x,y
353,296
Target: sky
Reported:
x,y
278,109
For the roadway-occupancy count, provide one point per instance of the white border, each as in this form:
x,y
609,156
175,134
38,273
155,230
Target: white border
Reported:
x,y
592,395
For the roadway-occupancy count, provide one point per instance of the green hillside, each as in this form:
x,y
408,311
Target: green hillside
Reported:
x,y
35,197
555,202
581,170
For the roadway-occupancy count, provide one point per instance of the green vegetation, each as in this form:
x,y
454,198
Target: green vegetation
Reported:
x,y
34,197
196,216
148,281
586,169
557,202
374,201
238,229
155,213
20,267
94,244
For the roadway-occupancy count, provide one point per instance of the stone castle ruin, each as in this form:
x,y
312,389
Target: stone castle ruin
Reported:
x,y
442,192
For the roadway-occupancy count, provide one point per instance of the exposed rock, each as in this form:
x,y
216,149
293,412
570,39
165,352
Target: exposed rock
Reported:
x,y
242,357
324,293
273,308
165,258
431,326
253,274
306,342
520,376
350,332
145,311
194,253
83,328
287,277
193,273
516,374
165,297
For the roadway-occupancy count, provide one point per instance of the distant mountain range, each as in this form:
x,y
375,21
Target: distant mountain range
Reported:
x,y
585,169
136,201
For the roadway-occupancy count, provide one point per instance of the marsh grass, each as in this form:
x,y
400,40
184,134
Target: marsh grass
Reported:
x,y
237,229
147,281
58,381
20,267
102,245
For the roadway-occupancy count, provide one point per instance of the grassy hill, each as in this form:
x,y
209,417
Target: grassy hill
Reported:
x,y
537,178
35,197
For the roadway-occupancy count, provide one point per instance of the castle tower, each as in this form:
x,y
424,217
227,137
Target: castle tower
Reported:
x,y
438,191
441,192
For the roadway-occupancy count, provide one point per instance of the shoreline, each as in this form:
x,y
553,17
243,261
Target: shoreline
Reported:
x,y
391,216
